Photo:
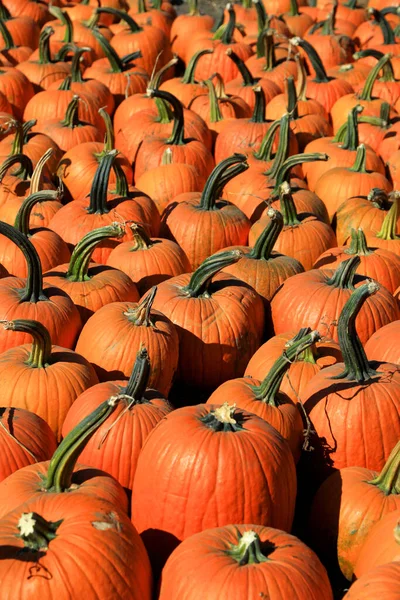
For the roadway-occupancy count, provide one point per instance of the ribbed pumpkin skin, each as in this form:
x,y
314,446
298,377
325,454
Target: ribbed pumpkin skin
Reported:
x,y
292,571
30,431
358,212
117,454
91,484
201,478
343,511
110,341
380,582
358,424
380,547
58,314
384,344
300,372
105,285
319,306
217,334
381,265
96,550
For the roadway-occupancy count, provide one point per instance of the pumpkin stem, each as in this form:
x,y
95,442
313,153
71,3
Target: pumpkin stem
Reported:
x,y
388,480
116,64
18,142
122,16
294,9
358,244
248,550
24,212
188,76
297,159
98,191
215,111
79,263
387,32
193,8
227,35
109,140
248,79
389,225
268,390
140,316
366,92
44,46
360,160
164,111
36,532
141,241
387,71
26,166
222,419
201,279
379,198
213,186
40,354
328,26
37,175
76,73
266,49
5,14
139,378
265,151
65,19
261,24
266,240
258,115
301,85
344,274
282,152
33,291
357,368
71,119
62,464
292,99
155,80
177,136
314,58
167,158
352,140
7,37
288,208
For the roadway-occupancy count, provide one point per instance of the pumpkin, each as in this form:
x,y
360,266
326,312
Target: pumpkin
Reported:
x,y
346,507
161,14
338,397
257,561
387,238
138,412
30,298
302,368
10,54
382,345
381,546
262,267
266,64
263,398
381,581
203,223
25,439
242,444
23,29
219,319
40,368
187,88
186,25
297,21
375,263
148,261
89,284
112,337
17,88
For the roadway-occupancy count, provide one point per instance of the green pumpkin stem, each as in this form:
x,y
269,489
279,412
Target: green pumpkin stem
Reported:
x,y
291,93
215,111
188,76
248,550
379,198
116,63
109,141
141,240
227,35
366,92
76,73
37,533
6,36
282,152
65,19
40,354
78,270
201,279
297,159
33,291
360,160
26,166
62,464
24,212
388,480
266,240
357,368
99,189
44,46
18,142
71,119
122,16
5,14
193,8
358,244
288,208
140,315
389,225
248,79
314,58
266,49
352,140
387,71
328,27
156,78
268,390
261,22
258,115
344,275
212,186
177,137
387,31
139,378
265,152
222,418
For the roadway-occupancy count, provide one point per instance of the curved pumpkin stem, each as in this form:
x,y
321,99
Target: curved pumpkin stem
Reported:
x,y
282,152
6,36
78,270
36,532
389,225
71,119
360,160
248,550
26,167
177,136
37,175
40,354
352,140
62,464
344,275
215,111
291,92
268,390
98,191
141,241
140,315
258,115
33,291
366,92
388,480
65,19
314,58
23,215
213,184
188,76
44,46
387,71
248,79
387,32
121,15
265,152
117,64
222,419
227,35
288,207
139,378
297,159
358,244
266,240
357,368
202,277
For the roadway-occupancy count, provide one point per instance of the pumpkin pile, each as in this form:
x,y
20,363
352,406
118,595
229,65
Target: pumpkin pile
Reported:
x,y
199,300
